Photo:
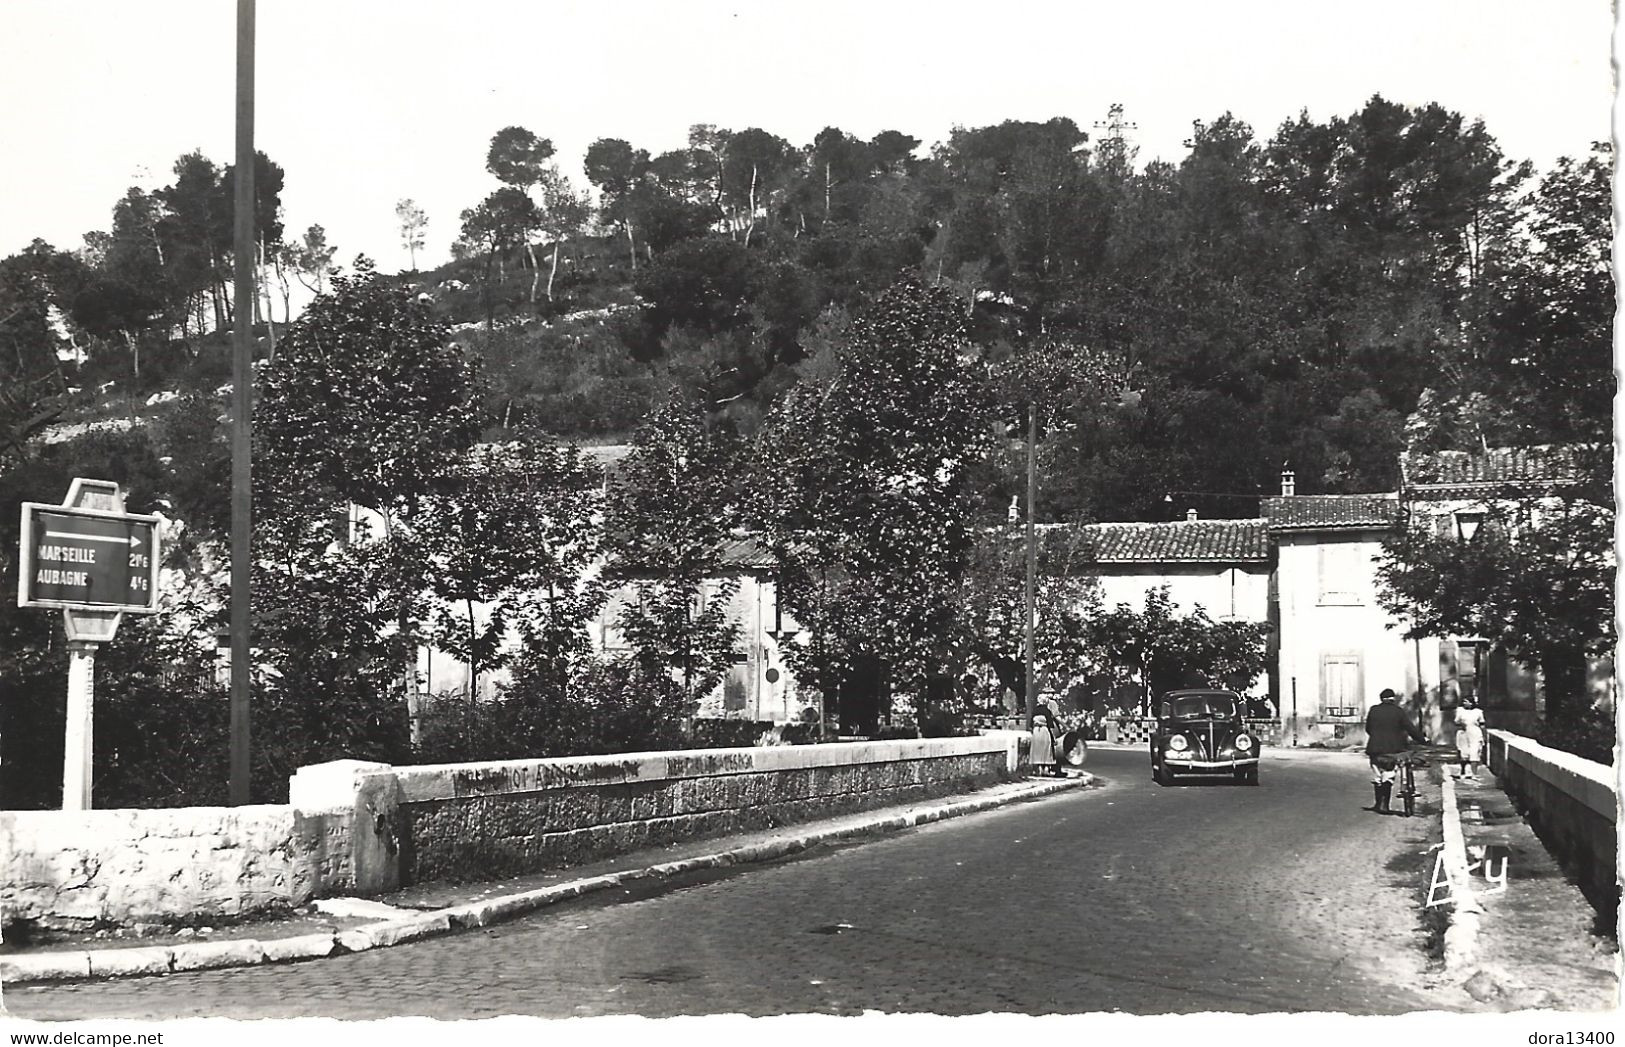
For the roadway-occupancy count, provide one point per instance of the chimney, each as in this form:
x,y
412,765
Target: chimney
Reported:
x,y
1289,483
1190,514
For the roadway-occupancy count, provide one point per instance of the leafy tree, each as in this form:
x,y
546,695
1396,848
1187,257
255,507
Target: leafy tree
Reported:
x,y
517,157
368,402
196,228
836,160
33,388
1067,598
866,502
707,284
561,217
504,220
330,647
1164,650
891,151
313,257
566,593
1551,336
413,221
510,520
756,163
618,171
667,525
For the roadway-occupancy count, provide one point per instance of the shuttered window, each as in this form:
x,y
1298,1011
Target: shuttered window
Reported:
x,y
1342,686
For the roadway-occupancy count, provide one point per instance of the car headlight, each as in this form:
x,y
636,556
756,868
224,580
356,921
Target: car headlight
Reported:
x,y
1178,743
1243,742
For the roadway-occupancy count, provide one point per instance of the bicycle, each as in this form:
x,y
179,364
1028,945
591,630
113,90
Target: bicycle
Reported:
x,y
1405,765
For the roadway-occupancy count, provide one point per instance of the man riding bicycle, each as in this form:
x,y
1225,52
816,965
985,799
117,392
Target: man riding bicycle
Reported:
x,y
1387,728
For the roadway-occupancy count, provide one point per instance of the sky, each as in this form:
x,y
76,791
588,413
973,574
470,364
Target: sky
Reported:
x,y
365,103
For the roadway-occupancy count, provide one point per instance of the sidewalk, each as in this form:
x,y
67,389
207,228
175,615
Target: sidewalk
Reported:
x,y
1540,944
333,926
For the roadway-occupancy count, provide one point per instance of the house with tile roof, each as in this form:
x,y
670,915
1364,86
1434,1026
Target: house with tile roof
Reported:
x,y
1456,490
1221,566
1337,647
1306,565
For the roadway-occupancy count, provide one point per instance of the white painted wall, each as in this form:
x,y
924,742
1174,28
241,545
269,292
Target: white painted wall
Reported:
x,y
1226,592
753,606
1329,614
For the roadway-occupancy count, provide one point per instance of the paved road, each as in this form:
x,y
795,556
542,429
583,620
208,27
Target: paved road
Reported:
x,y
1132,897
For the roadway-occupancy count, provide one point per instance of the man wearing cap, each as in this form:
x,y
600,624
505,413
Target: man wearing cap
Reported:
x,y
1387,728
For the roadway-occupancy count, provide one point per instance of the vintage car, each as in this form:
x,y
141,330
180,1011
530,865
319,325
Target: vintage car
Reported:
x,y
1201,732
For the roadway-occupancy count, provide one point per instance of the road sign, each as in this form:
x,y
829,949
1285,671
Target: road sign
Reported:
x,y
96,562
89,559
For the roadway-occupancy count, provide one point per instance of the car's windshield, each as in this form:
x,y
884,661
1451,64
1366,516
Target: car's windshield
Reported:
x,y
1202,706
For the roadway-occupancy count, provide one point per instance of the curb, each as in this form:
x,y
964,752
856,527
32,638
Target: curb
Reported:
x,y
1461,937
248,952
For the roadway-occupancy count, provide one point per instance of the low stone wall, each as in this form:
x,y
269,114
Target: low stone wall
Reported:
x,y
1572,804
479,821
76,870
366,828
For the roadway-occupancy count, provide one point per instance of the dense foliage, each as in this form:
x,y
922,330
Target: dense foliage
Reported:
x,y
1537,577
867,506
1328,296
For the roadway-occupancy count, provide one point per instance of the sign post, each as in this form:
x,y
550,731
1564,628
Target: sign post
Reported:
x,y
98,563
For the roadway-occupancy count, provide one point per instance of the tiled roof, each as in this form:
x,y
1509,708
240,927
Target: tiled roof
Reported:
x,y
1540,464
1328,511
747,552
1182,541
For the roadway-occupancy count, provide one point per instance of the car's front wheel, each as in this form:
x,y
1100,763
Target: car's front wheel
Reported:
x,y
1160,773
1247,775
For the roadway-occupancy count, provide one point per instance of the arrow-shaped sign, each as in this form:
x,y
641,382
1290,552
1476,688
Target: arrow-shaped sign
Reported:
x,y
132,541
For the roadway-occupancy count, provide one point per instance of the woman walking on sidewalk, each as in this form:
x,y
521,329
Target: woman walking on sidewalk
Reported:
x,y
1469,736
1042,755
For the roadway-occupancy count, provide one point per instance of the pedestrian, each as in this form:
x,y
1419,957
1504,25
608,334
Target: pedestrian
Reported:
x,y
1387,728
1469,736
1042,753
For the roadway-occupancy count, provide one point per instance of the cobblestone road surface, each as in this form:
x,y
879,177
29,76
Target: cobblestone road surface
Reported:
x,y
1285,897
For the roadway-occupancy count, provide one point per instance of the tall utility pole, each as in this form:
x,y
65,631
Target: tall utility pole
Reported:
x,y
1114,148
242,401
1032,561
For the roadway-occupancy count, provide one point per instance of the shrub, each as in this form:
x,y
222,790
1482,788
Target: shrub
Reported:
x,y
718,733
605,708
1589,734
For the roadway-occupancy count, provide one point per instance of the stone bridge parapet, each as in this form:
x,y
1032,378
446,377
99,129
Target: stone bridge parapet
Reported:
x,y
1572,804
358,828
